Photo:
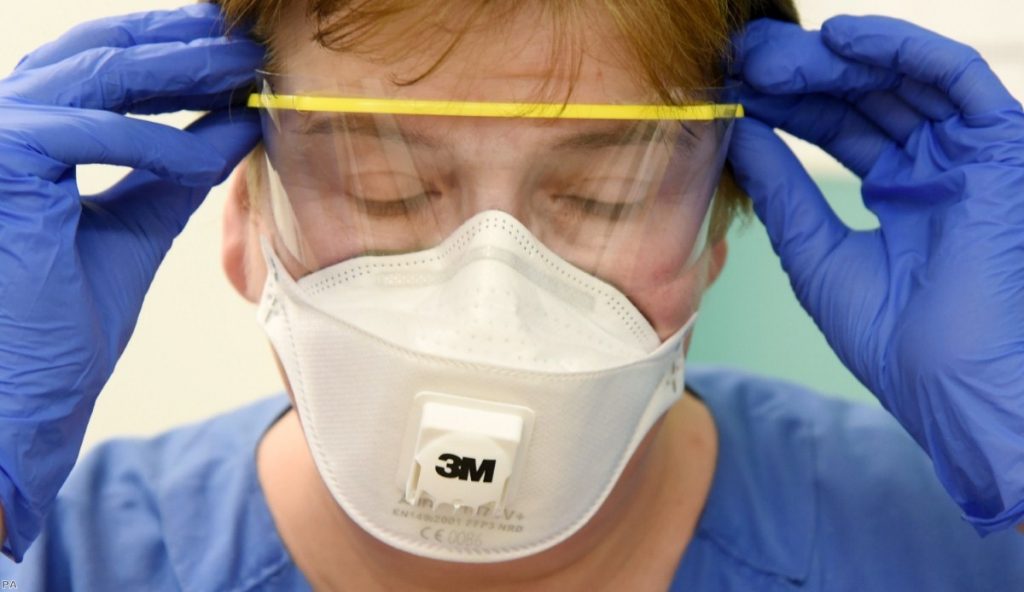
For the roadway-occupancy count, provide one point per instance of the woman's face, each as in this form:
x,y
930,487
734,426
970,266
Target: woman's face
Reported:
x,y
622,200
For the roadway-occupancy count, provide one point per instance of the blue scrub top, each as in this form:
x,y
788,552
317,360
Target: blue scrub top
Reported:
x,y
810,493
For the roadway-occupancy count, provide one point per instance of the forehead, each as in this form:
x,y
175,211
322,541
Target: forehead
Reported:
x,y
525,55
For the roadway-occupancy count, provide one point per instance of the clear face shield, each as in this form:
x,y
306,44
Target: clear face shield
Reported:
x,y
455,291
621,191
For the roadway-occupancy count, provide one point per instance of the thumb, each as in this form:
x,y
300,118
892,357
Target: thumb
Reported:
x,y
801,225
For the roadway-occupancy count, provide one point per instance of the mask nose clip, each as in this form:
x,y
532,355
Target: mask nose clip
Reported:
x,y
464,453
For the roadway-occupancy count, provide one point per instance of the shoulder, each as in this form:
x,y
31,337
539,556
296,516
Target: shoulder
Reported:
x,y
743,395
854,451
800,424
843,488
201,451
129,510
845,449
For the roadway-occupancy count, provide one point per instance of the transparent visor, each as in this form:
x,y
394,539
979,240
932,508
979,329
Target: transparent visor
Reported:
x,y
618,190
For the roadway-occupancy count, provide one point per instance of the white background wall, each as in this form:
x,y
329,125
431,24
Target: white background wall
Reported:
x,y
197,349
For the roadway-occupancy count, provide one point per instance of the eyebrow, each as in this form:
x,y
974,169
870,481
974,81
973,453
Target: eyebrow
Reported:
x,y
362,125
622,135
615,135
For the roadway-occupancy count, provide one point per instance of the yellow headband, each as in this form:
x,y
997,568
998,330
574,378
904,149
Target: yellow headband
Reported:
x,y
700,112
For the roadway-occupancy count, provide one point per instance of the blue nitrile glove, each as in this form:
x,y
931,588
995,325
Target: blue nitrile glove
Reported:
x,y
74,270
927,310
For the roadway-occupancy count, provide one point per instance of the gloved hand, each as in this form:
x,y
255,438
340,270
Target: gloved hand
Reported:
x,y
927,310
74,270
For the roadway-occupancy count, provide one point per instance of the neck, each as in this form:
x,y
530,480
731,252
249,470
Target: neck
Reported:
x,y
638,534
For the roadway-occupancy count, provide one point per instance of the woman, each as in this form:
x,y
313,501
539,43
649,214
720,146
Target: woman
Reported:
x,y
557,261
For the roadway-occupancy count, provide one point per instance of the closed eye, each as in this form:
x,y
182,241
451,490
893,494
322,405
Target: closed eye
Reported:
x,y
391,208
597,208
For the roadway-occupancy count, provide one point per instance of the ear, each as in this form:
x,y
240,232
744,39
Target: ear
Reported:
x,y
719,253
240,254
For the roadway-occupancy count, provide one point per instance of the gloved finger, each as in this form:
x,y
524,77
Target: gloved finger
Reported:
x,y
184,24
161,207
955,69
890,113
775,57
927,100
235,98
828,122
117,79
44,142
782,58
802,227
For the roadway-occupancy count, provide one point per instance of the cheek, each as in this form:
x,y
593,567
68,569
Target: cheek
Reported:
x,y
654,273
667,298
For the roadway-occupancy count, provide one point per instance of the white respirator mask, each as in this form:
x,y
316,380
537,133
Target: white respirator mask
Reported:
x,y
474,402
441,293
